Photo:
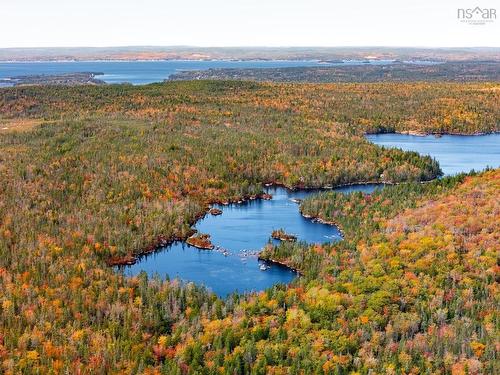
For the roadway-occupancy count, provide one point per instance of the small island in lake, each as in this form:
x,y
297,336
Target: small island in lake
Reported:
x,y
215,212
281,235
200,241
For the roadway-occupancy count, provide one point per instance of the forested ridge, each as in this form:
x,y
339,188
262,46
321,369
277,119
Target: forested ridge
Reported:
x,y
435,107
486,71
111,171
413,287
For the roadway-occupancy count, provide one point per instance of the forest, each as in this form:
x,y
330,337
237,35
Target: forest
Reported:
x,y
101,175
353,108
467,71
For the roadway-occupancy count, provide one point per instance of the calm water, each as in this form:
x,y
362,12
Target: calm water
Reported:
x,y
455,153
242,230
143,72
245,228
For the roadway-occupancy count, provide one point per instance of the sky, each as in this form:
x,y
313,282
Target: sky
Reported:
x,y
99,23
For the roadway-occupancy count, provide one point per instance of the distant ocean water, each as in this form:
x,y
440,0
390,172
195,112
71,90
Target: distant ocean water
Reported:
x,y
144,72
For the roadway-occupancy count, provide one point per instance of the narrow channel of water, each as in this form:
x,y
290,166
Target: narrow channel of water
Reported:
x,y
455,153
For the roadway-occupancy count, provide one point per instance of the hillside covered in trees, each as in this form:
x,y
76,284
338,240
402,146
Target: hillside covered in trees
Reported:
x,y
350,107
101,174
487,71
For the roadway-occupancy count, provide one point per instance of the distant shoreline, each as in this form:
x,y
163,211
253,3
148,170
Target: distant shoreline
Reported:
x,y
312,60
68,79
195,53
154,60
141,72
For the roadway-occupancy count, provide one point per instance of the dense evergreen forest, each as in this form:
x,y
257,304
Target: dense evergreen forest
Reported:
x,y
468,71
351,107
95,175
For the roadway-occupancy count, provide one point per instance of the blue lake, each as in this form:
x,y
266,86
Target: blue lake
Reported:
x,y
245,228
455,153
241,230
144,72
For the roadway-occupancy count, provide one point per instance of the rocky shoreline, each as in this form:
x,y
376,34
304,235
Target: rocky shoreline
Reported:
x,y
281,264
318,219
163,241
130,259
435,134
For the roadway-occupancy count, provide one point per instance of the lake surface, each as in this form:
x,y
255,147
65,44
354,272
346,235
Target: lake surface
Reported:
x,y
144,72
241,230
455,153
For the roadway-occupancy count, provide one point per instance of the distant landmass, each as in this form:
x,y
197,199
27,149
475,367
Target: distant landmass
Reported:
x,y
246,53
451,71
397,71
69,79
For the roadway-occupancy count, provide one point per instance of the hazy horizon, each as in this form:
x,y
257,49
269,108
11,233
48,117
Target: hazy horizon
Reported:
x,y
278,23
253,46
